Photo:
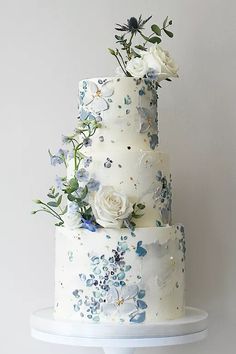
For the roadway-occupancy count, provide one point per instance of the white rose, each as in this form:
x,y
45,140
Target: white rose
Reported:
x,y
110,207
73,221
137,67
159,59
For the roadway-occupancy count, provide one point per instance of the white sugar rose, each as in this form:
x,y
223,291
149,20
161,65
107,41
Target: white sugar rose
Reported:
x,y
110,207
159,60
137,67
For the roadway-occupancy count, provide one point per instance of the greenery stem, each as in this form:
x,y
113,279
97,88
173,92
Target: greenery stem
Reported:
x,y
124,71
52,211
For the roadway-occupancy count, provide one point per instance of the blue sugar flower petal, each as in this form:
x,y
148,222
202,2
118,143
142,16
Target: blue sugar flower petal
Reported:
x,y
141,294
138,318
141,304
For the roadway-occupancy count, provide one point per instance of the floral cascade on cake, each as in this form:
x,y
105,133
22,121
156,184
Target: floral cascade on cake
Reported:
x,y
119,259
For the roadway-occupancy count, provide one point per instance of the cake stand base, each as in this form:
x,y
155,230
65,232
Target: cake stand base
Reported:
x,y
119,338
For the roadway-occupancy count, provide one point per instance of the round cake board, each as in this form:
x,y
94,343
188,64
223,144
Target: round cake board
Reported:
x,y
119,338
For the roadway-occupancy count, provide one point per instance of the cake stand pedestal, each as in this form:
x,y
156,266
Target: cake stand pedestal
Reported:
x,y
119,338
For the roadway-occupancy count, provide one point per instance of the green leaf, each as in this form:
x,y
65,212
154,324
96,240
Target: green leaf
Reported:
x,y
59,200
84,193
169,33
64,211
51,196
73,186
165,22
136,216
170,22
156,29
52,204
71,198
112,52
141,206
59,223
141,47
155,40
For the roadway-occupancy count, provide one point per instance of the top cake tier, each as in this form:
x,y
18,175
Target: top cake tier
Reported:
x,y
127,108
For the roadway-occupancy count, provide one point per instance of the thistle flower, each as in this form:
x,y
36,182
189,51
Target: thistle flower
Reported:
x,y
133,25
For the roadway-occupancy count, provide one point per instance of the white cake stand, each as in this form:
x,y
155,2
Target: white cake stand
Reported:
x,y
119,338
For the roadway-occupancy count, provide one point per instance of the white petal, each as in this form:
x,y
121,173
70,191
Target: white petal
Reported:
x,y
87,98
128,292
127,308
108,309
112,295
92,87
99,104
107,89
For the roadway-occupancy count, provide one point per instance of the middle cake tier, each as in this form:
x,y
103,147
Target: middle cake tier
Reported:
x,y
143,176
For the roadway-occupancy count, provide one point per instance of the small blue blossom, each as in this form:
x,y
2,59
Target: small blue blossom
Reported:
x,y
87,142
82,175
127,100
79,191
142,91
63,153
152,74
59,182
93,185
56,160
89,225
65,139
153,140
87,161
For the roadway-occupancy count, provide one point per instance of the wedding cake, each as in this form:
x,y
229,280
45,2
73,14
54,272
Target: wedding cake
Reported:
x,y
119,258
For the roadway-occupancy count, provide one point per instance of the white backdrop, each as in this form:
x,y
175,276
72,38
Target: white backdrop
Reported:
x,y
46,47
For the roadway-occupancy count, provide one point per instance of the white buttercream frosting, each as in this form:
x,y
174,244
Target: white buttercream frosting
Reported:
x,y
113,276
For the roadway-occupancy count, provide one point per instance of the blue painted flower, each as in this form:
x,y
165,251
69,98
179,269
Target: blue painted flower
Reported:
x,y
87,142
59,182
66,139
148,120
142,91
87,161
153,141
152,74
56,160
93,185
140,250
89,225
63,153
82,175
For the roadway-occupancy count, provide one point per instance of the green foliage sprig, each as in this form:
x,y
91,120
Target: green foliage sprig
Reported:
x,y
132,28
72,189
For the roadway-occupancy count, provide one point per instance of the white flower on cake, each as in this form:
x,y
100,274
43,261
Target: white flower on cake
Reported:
x,y
118,301
110,207
159,60
96,97
137,67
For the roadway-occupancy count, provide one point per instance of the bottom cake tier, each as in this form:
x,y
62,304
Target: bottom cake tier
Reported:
x,y
117,276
